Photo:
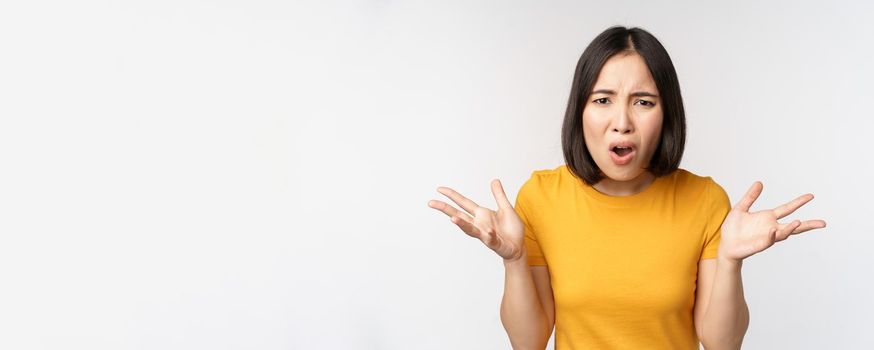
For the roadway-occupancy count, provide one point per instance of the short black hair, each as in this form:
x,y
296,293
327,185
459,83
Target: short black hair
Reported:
x,y
610,42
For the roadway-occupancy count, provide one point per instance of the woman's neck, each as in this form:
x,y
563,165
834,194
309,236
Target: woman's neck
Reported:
x,y
615,188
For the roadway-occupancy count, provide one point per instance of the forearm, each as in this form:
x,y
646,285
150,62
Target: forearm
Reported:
x,y
727,316
521,312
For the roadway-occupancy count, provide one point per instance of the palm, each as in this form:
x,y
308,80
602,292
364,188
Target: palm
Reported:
x,y
745,233
501,230
510,232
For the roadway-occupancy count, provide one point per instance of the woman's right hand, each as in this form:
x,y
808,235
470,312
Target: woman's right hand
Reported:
x,y
501,231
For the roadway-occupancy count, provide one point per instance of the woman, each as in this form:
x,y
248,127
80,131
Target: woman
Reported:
x,y
620,248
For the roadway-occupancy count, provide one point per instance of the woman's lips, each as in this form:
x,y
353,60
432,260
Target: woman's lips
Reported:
x,y
624,159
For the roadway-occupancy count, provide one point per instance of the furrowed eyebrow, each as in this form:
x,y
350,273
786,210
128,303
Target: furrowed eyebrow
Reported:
x,y
636,93
644,94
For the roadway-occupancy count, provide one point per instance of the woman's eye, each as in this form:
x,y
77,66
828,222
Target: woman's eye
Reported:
x,y
601,100
646,103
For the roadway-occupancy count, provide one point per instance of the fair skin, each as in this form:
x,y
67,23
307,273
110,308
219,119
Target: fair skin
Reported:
x,y
625,106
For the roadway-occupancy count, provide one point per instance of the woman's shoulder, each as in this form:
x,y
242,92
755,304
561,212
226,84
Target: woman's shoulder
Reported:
x,y
543,181
689,178
693,183
540,175
547,172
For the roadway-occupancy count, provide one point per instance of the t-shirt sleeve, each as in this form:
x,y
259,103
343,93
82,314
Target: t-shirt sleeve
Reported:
x,y
718,207
523,209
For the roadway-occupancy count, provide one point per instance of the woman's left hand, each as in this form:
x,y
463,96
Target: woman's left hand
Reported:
x,y
745,233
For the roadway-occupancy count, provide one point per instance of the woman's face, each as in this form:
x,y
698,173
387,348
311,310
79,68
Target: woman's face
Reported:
x,y
624,109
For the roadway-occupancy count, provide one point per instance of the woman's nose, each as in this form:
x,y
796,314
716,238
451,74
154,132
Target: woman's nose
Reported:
x,y
622,122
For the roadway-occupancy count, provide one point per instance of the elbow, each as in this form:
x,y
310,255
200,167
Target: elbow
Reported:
x,y
530,347
725,338
533,345
527,341
530,343
721,345
725,342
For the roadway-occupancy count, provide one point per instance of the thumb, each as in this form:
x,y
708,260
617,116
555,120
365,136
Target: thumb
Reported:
x,y
500,196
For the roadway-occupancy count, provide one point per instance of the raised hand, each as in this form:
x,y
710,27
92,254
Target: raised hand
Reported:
x,y
745,233
501,231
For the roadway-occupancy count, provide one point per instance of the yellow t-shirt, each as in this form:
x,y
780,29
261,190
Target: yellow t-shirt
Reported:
x,y
623,269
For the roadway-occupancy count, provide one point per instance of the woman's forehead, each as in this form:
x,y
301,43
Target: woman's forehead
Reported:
x,y
627,72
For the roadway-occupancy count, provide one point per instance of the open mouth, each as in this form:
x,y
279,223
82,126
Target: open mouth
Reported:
x,y
621,151
622,155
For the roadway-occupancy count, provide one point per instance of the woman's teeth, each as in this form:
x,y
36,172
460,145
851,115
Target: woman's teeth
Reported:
x,y
621,151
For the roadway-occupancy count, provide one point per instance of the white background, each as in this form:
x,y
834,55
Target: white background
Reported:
x,y
254,174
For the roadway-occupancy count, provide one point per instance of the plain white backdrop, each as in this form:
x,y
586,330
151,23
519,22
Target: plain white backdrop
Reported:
x,y
254,174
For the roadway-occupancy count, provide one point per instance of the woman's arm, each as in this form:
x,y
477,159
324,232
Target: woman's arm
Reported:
x,y
744,233
727,317
522,308
528,325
